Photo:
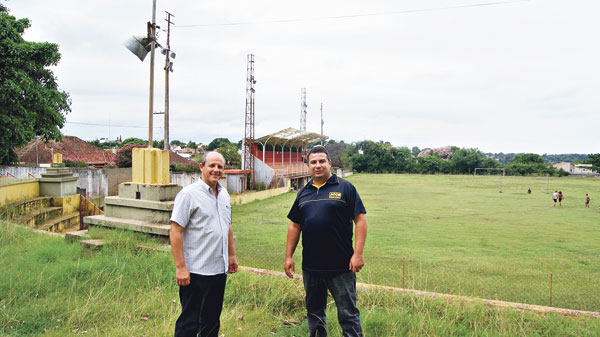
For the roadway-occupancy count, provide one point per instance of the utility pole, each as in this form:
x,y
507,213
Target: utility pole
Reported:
x,y
168,68
151,38
322,123
303,110
248,143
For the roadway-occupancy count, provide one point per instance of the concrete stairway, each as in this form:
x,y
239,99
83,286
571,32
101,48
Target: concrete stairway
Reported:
x,y
39,213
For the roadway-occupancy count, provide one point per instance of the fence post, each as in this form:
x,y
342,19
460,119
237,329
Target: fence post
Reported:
x,y
403,263
550,289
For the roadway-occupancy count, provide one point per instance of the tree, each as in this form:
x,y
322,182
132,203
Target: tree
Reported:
x,y
177,142
158,144
529,164
336,151
30,102
466,160
133,140
433,163
231,154
415,151
191,145
594,159
216,143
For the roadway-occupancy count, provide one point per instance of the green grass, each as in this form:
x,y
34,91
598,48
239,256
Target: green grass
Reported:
x,y
49,287
459,236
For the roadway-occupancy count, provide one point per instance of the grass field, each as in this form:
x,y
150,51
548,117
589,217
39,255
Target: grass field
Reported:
x,y
459,235
52,288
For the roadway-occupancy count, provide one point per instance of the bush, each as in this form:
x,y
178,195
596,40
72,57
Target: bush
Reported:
x,y
187,168
75,163
123,158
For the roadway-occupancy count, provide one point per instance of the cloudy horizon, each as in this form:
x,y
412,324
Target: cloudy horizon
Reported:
x,y
508,76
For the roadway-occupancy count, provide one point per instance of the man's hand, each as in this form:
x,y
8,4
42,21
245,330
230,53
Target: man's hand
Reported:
x,y
356,263
182,276
289,267
233,265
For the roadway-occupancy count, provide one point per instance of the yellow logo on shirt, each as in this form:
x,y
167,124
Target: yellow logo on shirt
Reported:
x,y
335,195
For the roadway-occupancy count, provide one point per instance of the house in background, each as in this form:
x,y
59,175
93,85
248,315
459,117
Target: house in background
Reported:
x,y
575,169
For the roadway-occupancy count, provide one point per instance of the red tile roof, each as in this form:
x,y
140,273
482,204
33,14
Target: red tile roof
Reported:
x,y
72,148
174,158
76,149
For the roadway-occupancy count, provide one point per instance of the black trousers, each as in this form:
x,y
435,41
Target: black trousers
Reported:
x,y
201,304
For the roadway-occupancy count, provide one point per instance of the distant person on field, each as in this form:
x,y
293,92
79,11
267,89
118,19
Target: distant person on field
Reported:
x,y
555,197
587,201
202,247
560,198
529,191
323,212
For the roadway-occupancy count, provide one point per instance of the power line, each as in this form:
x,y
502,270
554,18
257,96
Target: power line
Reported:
x,y
112,125
338,17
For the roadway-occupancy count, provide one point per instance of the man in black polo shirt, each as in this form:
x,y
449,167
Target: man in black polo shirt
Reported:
x,y
324,211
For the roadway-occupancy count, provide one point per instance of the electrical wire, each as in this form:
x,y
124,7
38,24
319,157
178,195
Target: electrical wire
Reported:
x,y
338,17
112,125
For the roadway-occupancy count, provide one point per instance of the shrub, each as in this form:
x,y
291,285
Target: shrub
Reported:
x,y
123,158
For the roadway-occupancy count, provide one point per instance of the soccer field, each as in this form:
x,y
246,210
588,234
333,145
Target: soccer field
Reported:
x,y
460,236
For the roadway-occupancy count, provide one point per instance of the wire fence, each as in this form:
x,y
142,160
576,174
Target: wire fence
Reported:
x,y
457,235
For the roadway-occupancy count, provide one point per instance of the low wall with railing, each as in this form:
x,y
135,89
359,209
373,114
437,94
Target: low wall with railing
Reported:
x,y
16,190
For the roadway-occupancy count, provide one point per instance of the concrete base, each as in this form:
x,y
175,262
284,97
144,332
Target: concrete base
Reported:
x,y
139,207
148,192
129,224
143,210
58,181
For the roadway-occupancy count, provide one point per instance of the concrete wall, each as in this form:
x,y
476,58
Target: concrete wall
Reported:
x,y
19,190
115,176
235,183
240,199
343,173
264,173
184,179
93,181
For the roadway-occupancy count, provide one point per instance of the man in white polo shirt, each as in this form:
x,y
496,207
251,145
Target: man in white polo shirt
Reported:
x,y
202,246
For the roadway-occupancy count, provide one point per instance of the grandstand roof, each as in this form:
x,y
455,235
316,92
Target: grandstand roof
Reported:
x,y
291,137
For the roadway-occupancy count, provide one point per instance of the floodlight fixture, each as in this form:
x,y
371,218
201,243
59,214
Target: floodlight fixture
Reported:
x,y
140,46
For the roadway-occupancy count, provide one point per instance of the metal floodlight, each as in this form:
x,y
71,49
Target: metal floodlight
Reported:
x,y
140,46
173,54
163,51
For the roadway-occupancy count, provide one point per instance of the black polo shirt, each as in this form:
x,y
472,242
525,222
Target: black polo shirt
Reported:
x,y
325,216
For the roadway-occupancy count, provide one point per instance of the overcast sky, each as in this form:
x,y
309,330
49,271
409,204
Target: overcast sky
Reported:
x,y
515,76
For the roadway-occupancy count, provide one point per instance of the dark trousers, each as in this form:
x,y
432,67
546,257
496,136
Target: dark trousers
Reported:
x,y
343,290
201,304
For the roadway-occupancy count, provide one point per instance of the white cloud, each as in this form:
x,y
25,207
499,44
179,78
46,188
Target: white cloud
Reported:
x,y
516,77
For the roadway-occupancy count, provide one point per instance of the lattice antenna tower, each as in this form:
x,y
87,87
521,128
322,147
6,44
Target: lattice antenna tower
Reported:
x,y
303,110
249,121
322,122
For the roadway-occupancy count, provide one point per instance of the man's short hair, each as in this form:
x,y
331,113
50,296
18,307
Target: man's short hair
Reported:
x,y
209,152
318,149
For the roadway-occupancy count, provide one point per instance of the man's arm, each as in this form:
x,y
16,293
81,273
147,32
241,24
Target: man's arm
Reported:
x,y
357,261
233,265
182,275
293,235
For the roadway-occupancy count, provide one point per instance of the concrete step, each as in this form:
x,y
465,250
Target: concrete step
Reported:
x,y
77,235
61,223
16,209
92,244
39,216
128,224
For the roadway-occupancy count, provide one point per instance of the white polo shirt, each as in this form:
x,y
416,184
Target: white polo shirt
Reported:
x,y
206,220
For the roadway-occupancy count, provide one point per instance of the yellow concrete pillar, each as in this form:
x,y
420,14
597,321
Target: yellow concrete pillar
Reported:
x,y
57,158
150,166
